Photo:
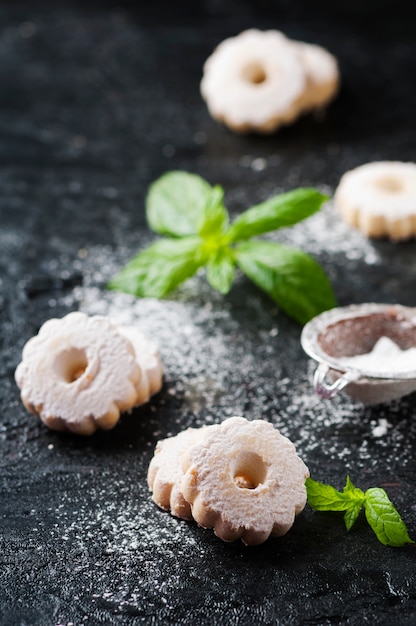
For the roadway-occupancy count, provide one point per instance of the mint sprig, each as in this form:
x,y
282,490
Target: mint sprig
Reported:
x,y
195,225
380,512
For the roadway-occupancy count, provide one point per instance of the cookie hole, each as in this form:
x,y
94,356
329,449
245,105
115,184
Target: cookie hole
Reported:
x,y
254,73
250,471
390,184
70,364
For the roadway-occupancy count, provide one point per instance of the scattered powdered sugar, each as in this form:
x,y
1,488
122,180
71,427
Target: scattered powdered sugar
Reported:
x,y
114,523
191,339
216,368
217,363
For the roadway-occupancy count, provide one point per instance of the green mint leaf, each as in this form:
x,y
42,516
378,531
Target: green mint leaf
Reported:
x,y
282,210
379,510
176,203
353,492
326,498
384,519
356,497
220,270
215,216
291,277
160,268
351,515
183,205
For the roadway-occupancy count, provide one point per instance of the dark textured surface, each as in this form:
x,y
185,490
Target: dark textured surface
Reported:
x,y
95,104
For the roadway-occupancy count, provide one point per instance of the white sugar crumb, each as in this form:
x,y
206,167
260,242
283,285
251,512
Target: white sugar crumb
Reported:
x,y
259,164
381,428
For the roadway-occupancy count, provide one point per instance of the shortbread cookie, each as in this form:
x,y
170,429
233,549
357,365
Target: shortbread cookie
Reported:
x,y
148,358
244,480
379,199
252,82
165,474
78,374
322,76
261,80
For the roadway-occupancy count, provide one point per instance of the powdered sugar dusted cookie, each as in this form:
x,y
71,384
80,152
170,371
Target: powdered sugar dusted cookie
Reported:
x,y
379,198
165,474
79,373
244,480
260,80
322,76
252,82
148,358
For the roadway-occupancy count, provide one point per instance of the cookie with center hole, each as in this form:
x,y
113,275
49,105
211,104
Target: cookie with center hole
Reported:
x,y
244,480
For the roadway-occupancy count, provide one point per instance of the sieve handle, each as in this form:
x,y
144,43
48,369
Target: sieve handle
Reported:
x,y
329,390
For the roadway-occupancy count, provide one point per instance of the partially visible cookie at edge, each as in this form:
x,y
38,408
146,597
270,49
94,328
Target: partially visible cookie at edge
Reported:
x,y
379,199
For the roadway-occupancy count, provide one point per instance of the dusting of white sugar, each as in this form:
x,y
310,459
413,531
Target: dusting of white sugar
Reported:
x,y
217,363
386,357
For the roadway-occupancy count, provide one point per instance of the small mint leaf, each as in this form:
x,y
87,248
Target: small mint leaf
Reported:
x,y
291,277
326,498
353,492
352,514
282,210
176,203
160,268
356,497
220,270
384,519
215,216
379,510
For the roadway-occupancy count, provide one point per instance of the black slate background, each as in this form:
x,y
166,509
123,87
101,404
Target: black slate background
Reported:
x,y
97,100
